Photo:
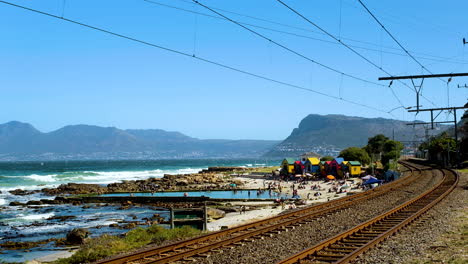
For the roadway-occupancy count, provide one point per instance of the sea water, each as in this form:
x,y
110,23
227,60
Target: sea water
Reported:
x,y
33,223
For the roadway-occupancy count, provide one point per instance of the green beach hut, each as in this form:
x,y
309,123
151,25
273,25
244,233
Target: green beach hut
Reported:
x,y
287,166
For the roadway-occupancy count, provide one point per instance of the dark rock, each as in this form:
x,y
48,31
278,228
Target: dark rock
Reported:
x,y
75,188
129,225
16,204
21,192
114,225
77,236
34,203
61,218
55,201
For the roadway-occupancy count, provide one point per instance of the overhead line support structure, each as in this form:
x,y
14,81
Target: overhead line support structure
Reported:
x,y
417,88
454,109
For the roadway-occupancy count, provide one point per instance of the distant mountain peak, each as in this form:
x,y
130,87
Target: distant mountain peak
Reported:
x,y
328,134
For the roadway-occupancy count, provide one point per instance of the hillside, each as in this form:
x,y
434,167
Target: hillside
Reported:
x,y
21,141
329,134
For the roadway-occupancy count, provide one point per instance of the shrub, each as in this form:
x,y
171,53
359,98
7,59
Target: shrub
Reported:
x,y
107,245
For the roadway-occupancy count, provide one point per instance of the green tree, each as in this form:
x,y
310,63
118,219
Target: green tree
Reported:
x,y
376,144
391,155
355,154
439,147
327,158
392,145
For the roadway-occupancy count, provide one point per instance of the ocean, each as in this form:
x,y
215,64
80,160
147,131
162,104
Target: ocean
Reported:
x,y
34,223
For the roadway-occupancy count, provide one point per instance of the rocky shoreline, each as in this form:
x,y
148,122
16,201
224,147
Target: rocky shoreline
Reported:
x,y
216,178
72,193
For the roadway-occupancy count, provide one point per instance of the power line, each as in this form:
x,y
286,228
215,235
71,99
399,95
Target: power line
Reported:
x,y
390,34
435,58
286,48
354,51
189,55
296,27
342,43
290,50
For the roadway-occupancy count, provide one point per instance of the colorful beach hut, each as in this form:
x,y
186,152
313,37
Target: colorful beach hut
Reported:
x,y
334,168
287,166
312,165
324,167
354,168
298,167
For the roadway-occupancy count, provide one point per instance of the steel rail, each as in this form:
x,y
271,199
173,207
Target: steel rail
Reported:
x,y
385,225
211,241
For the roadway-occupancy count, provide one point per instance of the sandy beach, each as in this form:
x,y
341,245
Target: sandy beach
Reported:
x,y
258,210
271,209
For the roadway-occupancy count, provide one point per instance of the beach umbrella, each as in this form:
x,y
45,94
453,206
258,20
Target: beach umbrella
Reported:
x,y
298,175
308,174
372,181
368,177
330,177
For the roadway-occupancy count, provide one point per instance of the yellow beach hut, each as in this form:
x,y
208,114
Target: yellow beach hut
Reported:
x,y
312,165
287,166
354,168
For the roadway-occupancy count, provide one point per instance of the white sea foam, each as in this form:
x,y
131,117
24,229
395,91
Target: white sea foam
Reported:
x,y
36,216
46,229
2,201
42,178
105,177
28,187
36,181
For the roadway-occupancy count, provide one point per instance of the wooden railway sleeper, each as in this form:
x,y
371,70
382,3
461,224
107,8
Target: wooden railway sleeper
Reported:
x,y
356,239
370,232
325,259
321,254
349,243
366,235
338,250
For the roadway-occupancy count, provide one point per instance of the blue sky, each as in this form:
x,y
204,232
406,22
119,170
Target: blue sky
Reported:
x,y
54,73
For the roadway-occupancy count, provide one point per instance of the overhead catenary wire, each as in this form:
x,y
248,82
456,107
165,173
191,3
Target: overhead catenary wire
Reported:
x,y
346,45
189,55
313,31
380,46
288,49
354,51
393,37
301,55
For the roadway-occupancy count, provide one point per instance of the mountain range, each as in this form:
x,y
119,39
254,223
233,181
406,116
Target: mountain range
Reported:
x,y
323,134
21,141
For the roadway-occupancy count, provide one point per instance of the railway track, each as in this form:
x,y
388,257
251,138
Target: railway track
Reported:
x,y
197,247
348,245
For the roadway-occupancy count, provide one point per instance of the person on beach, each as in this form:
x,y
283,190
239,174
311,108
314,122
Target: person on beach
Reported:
x,y
242,209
